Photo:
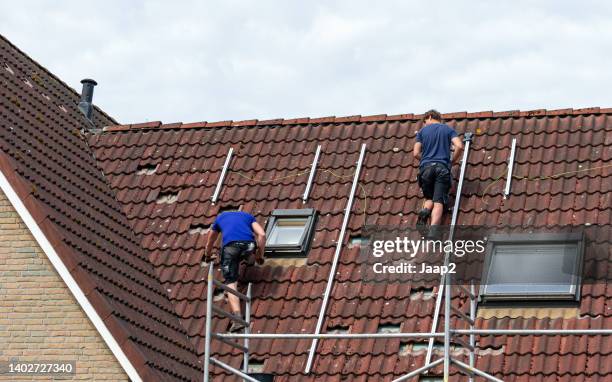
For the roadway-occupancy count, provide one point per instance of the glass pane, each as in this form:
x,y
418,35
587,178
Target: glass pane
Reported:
x,y
287,231
532,269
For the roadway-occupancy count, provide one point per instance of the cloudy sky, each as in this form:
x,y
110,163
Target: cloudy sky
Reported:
x,y
216,60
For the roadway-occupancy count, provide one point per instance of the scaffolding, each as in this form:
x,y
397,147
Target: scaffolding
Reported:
x,y
444,292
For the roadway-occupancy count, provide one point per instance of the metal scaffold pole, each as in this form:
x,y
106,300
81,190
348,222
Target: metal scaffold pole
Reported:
x,y
467,139
473,301
209,297
447,305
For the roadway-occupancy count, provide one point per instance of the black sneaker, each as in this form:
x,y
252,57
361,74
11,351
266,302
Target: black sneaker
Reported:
x,y
424,215
236,327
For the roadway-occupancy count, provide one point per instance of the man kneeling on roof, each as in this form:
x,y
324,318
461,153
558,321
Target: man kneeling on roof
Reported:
x,y
432,148
242,237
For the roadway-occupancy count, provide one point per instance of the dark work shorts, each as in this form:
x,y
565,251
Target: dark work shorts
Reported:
x,y
435,181
231,256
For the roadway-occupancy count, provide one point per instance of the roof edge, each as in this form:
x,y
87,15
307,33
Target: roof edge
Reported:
x,y
357,118
46,245
70,88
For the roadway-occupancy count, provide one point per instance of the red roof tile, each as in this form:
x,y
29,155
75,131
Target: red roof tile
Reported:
x,y
138,257
563,173
50,165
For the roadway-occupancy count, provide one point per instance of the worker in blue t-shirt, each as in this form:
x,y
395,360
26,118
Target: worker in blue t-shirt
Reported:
x,y
242,236
432,148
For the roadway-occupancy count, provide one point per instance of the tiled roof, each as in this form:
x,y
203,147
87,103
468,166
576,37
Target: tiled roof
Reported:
x,y
165,175
48,162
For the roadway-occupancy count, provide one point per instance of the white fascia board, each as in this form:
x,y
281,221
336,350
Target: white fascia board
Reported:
x,y
48,249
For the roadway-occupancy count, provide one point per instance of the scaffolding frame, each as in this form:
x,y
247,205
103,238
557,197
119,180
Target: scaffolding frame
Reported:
x,y
444,290
210,309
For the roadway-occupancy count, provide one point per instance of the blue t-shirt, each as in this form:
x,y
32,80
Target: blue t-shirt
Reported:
x,y
436,140
234,226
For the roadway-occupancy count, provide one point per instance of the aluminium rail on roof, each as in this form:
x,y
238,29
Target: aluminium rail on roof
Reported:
x,y
446,359
510,169
313,170
332,272
228,159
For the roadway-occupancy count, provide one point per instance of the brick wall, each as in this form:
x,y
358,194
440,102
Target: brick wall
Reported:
x,y
39,317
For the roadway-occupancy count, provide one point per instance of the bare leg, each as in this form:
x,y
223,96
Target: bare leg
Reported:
x,y
233,300
428,204
436,214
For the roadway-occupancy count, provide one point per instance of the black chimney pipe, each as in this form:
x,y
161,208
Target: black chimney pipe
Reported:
x,y
86,97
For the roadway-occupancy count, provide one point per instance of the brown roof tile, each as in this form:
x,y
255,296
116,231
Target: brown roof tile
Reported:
x,y
49,164
562,168
156,298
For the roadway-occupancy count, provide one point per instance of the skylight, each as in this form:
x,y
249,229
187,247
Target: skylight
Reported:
x,y
533,266
289,232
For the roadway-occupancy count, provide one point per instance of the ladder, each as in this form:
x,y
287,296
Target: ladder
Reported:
x,y
212,309
445,290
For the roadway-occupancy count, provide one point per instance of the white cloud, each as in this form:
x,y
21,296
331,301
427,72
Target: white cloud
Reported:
x,y
218,60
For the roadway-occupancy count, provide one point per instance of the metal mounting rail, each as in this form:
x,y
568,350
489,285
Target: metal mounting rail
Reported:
x,y
510,168
332,272
313,169
222,176
447,360
467,138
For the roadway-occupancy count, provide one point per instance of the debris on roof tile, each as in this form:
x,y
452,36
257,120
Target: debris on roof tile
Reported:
x,y
167,197
199,229
551,143
146,169
388,328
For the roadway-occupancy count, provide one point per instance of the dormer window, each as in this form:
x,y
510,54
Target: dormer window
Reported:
x,y
289,232
533,267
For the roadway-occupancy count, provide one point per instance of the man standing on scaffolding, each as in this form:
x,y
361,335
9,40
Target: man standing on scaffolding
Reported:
x,y
242,237
432,148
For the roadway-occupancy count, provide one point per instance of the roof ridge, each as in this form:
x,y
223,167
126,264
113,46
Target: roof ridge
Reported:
x,y
56,78
357,118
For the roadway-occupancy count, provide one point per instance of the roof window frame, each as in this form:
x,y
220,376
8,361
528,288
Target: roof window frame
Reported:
x,y
291,250
531,239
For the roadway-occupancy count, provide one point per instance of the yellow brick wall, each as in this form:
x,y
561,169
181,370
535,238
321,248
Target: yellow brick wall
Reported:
x,y
39,317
